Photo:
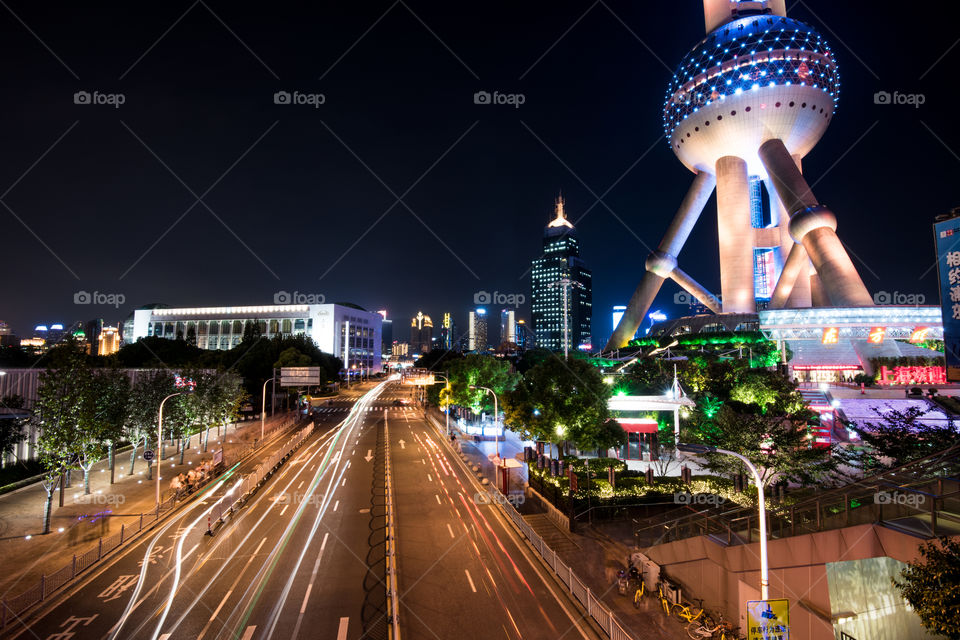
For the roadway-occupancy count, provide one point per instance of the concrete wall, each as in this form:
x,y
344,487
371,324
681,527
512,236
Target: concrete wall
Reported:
x,y
726,577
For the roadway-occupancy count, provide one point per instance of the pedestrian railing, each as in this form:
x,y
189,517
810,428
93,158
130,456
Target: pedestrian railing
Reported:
x,y
603,616
12,608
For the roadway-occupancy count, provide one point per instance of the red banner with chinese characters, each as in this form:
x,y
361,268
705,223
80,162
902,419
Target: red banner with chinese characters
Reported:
x,y
913,375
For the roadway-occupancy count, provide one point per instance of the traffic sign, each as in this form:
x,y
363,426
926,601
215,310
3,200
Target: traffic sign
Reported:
x,y
299,376
148,455
768,619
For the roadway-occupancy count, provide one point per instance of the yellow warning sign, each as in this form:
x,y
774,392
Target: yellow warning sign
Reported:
x,y
768,620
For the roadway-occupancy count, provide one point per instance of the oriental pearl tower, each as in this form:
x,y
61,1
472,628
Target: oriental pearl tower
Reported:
x,y
744,107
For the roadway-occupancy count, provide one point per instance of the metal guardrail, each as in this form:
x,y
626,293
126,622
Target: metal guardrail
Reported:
x,y
928,488
11,608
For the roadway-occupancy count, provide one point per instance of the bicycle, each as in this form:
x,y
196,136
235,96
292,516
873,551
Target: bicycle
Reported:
x,y
663,600
638,594
700,630
684,611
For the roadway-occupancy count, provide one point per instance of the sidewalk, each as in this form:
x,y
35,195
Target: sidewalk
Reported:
x,y
594,556
84,519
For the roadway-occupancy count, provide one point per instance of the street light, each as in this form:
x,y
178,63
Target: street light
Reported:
x,y
496,413
764,572
263,409
446,409
160,439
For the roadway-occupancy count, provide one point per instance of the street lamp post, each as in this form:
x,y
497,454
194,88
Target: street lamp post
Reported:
x,y
446,409
764,571
263,409
496,414
159,440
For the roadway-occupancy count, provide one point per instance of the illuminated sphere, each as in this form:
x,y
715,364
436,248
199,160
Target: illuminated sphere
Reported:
x,y
750,80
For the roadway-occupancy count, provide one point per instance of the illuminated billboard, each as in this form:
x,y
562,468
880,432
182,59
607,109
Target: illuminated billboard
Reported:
x,y
947,238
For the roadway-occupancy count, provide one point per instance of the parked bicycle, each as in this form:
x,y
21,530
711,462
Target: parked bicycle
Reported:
x,y
701,630
685,612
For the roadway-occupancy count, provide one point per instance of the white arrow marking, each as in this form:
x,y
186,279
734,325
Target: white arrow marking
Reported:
x,y
403,445
368,457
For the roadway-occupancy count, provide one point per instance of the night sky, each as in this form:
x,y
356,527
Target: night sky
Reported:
x,y
298,198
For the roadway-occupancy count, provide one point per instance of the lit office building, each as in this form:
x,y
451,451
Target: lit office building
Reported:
x,y
525,337
346,331
108,342
448,337
562,289
508,326
421,333
477,335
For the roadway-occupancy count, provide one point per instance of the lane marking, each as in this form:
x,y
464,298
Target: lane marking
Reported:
x,y
301,484
470,580
438,498
249,632
342,631
344,483
284,510
429,477
336,504
450,529
226,597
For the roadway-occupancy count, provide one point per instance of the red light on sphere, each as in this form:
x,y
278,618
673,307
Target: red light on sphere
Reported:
x,y
831,335
919,335
876,335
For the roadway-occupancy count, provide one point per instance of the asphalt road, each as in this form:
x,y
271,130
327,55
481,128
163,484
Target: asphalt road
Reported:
x,y
304,557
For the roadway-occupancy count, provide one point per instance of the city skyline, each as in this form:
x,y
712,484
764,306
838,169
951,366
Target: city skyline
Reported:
x,y
80,162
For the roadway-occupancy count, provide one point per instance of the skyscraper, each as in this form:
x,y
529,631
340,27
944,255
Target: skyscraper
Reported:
x,y
508,326
421,333
561,289
448,332
477,336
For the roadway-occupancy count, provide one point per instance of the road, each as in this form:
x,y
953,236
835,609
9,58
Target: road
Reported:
x,y
304,557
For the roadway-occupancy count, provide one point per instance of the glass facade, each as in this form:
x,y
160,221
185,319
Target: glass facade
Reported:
x,y
744,55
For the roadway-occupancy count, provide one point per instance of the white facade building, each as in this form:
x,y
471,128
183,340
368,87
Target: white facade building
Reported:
x,y
224,327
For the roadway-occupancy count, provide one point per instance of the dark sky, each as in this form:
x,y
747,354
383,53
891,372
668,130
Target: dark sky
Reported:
x,y
297,198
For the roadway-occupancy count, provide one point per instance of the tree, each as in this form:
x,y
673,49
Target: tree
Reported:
x,y
900,437
61,414
478,371
11,430
779,444
932,587
292,357
563,401
150,388
109,391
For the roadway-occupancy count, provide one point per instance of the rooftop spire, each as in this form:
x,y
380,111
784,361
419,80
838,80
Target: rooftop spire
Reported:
x,y
561,219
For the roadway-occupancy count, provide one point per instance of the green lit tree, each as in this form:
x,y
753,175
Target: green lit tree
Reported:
x,y
932,587
12,430
477,370
897,438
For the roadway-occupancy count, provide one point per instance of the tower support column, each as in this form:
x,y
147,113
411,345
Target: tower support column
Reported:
x,y
735,233
814,226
